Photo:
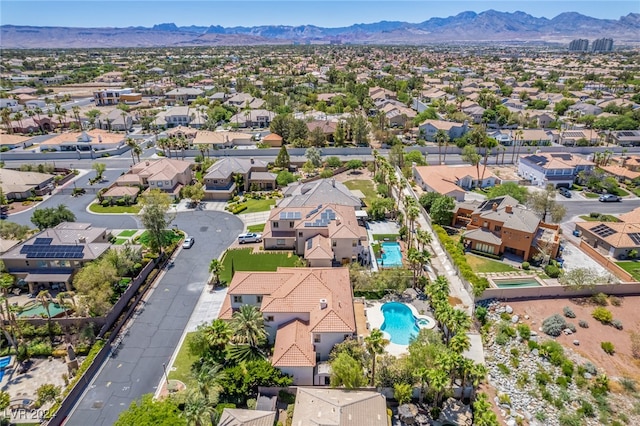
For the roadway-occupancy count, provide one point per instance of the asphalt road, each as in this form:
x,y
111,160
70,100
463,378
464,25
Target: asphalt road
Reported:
x,y
155,333
577,207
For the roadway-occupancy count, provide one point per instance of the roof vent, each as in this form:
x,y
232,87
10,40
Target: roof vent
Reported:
x,y
494,207
323,303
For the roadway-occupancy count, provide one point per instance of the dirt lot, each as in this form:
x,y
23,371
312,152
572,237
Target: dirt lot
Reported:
x,y
621,364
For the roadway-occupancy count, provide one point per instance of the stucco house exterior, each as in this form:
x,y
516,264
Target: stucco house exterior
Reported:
x,y
166,174
455,130
452,181
557,168
220,182
19,185
307,311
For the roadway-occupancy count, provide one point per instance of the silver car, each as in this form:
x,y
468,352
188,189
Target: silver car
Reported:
x,y
249,237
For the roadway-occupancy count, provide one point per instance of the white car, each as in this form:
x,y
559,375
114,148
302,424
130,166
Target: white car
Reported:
x,y
188,242
249,237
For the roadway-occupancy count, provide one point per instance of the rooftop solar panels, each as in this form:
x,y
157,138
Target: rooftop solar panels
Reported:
x,y
635,237
42,241
324,219
627,133
43,251
290,215
603,231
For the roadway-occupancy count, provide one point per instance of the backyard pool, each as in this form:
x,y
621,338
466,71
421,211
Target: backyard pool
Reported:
x,y
401,324
516,282
391,255
4,361
36,310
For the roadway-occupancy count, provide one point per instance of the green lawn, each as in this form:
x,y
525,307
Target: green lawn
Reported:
x,y
181,369
98,208
482,264
247,260
383,237
601,218
632,267
255,206
591,195
256,228
128,233
169,236
120,241
366,186
620,192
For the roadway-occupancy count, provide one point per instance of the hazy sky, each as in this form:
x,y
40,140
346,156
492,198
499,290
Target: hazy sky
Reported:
x,y
328,13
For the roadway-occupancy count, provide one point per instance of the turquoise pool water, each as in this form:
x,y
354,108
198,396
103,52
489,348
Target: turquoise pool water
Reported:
x,y
3,363
391,255
37,310
399,322
515,283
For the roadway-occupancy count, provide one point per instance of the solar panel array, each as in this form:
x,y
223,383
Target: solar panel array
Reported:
x,y
43,251
626,133
603,231
290,215
635,237
325,217
42,241
314,211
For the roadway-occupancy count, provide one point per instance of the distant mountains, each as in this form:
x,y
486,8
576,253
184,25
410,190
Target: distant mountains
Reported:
x,y
488,26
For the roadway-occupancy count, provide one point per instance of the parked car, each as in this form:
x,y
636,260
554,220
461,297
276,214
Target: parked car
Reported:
x,y
188,242
565,192
609,198
249,237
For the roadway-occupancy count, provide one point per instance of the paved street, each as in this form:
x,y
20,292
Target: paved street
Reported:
x,y
153,337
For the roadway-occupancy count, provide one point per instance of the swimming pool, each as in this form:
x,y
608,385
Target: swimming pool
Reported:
x,y
37,310
391,255
399,322
516,282
5,361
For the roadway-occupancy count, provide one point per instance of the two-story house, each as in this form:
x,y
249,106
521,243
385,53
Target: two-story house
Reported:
x,y
48,260
166,174
109,96
244,100
556,168
452,181
307,311
322,235
183,95
221,183
252,118
500,225
429,128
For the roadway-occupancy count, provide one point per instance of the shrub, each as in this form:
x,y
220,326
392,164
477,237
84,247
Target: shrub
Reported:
x,y
571,327
615,301
554,325
542,377
568,312
590,368
583,324
524,331
617,324
526,266
481,314
532,344
602,314
600,299
608,347
505,316
594,215
552,271
503,369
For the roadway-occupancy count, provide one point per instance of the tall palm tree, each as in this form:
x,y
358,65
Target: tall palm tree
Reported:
x,y
438,381
217,334
248,326
198,409
215,268
375,344
442,139
37,111
18,116
137,151
131,143
423,237
412,214
519,137
45,299
5,113
76,114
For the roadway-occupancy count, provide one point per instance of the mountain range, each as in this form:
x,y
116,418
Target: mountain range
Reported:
x,y
488,26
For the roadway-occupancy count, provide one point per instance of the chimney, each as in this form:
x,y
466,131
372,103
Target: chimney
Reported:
x,y
252,161
323,303
509,209
494,207
82,239
333,183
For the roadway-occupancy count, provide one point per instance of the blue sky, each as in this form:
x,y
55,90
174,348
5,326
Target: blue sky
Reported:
x,y
328,13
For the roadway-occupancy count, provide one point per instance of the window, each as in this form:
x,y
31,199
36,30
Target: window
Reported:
x,y
299,234
280,242
276,224
334,243
259,299
166,182
237,299
354,243
269,318
159,183
485,224
316,338
291,224
497,228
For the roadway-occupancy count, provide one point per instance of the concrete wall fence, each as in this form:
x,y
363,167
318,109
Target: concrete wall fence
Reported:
x,y
549,292
606,262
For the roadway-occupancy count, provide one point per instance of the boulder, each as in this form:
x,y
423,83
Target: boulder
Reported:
x,y
576,342
515,319
508,309
407,414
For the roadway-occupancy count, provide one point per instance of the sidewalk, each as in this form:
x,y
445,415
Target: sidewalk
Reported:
x,y
248,219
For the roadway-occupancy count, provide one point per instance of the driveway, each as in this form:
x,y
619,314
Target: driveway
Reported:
x,y
155,333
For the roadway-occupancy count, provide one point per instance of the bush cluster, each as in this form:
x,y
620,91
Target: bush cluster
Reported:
x,y
602,314
583,324
552,271
554,325
568,312
608,347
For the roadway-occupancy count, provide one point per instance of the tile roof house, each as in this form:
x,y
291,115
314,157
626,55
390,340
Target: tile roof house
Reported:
x,y
166,174
453,129
253,118
557,168
338,407
306,310
246,417
222,139
183,95
452,181
114,120
92,140
614,239
321,191
501,225
18,185
48,259
244,100
322,235
220,183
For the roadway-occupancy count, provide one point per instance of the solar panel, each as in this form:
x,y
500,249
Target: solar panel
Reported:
x,y
635,237
42,241
603,231
626,133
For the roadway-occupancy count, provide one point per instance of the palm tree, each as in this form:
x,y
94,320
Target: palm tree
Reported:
x,y
459,322
442,138
45,299
131,143
137,151
215,268
6,119
198,409
375,344
412,214
460,343
76,114
248,326
423,237
37,111
18,116
519,137
438,381
217,334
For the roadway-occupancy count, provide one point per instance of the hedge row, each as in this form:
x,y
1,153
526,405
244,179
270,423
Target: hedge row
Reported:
x,y
480,284
237,209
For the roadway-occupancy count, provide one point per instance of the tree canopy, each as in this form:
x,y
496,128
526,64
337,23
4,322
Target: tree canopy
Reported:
x,y
544,204
52,216
516,191
146,411
154,216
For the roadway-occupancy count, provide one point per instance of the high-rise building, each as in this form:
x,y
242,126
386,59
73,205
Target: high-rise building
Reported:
x,y
602,45
579,45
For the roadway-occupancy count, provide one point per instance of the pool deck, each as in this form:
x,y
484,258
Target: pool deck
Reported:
x,y
361,319
495,280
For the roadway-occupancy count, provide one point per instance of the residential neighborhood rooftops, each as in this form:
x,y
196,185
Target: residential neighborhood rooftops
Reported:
x,y
321,191
246,417
19,181
616,234
559,160
227,166
293,347
337,407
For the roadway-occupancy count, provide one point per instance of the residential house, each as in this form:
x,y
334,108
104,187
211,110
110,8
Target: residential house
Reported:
x,y
626,137
452,181
244,100
183,95
534,137
558,169
273,140
116,120
109,96
613,239
500,225
321,191
583,108
323,234
180,116
379,93
11,104
229,175
19,185
397,115
92,140
455,130
166,174
252,118
222,139
49,259
328,128
307,311
14,141
339,407
476,112
246,417
543,120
